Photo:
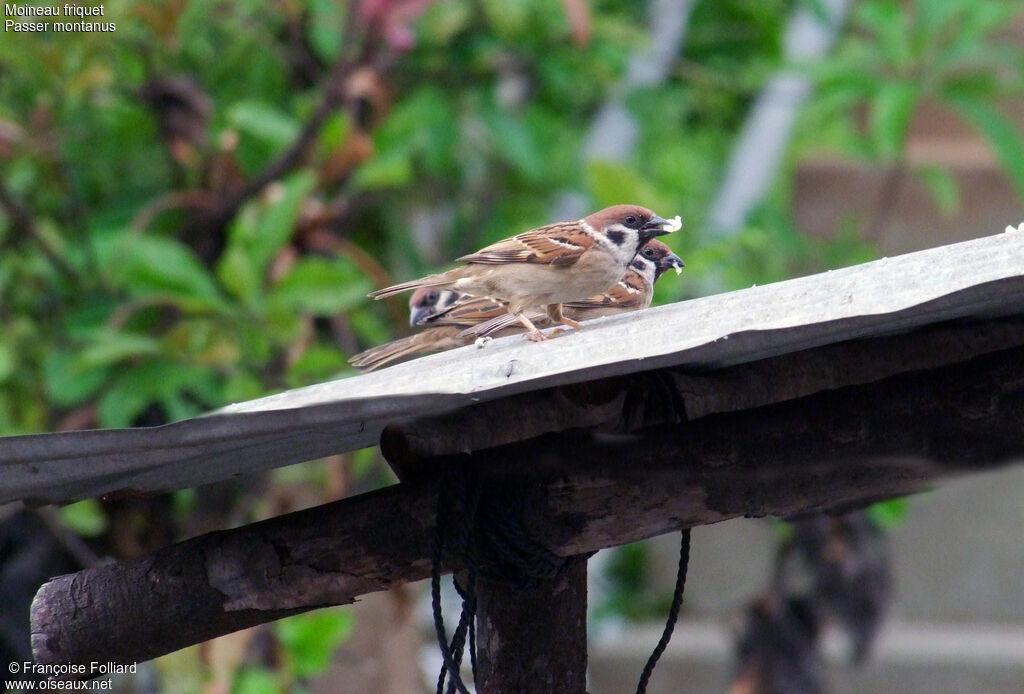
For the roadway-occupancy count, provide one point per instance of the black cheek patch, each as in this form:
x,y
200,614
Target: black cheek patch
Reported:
x,y
616,237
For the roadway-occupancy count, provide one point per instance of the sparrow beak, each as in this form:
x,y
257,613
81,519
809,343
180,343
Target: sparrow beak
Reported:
x,y
674,261
659,226
419,315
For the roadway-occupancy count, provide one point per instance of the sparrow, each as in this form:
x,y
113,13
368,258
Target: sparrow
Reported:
x,y
551,265
451,316
633,291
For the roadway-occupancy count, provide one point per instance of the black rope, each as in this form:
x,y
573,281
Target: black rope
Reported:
x,y
673,613
487,529
451,655
456,648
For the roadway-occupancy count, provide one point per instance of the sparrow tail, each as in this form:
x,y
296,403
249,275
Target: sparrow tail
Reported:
x,y
442,279
370,359
431,340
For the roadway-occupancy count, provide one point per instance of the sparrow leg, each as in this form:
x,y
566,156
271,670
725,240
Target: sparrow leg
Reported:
x,y
555,314
534,334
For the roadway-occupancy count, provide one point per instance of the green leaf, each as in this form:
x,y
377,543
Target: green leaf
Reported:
x,y
318,363
86,518
110,347
943,188
321,287
889,514
613,183
1002,134
122,404
264,122
6,362
889,21
443,20
508,18
389,170
67,381
152,383
513,141
310,639
253,680
259,232
891,112
155,265
325,28
421,129
334,134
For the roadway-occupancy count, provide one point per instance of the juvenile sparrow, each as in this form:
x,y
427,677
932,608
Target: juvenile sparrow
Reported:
x,y
452,317
553,264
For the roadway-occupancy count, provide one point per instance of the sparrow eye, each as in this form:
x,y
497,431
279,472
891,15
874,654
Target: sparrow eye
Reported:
x,y
632,221
648,252
431,297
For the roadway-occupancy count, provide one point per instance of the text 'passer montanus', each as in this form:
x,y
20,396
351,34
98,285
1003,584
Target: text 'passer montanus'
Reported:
x,y
551,265
457,320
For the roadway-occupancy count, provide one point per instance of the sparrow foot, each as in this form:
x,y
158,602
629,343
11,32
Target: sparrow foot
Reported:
x,y
535,336
571,323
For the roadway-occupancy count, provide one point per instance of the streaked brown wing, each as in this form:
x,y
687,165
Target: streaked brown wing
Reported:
x,y
558,244
627,294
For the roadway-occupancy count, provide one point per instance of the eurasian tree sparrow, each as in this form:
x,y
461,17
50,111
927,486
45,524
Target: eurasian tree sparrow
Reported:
x,y
553,264
453,318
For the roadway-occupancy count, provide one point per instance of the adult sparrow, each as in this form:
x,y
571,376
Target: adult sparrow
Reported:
x,y
553,264
453,318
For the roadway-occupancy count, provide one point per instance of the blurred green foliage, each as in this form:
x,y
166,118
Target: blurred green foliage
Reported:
x,y
122,304
900,55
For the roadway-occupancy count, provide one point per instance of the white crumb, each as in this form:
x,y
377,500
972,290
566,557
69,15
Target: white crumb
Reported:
x,y
674,224
482,342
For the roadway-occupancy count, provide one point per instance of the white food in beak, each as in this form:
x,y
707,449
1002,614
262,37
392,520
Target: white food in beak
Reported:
x,y
674,224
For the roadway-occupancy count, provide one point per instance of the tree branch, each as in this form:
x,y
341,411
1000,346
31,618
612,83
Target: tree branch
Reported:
x,y
22,218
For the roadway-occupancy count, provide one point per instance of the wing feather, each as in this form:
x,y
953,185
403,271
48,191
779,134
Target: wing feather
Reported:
x,y
560,245
629,293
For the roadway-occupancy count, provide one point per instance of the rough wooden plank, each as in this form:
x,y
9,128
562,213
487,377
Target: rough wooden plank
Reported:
x,y
581,491
979,278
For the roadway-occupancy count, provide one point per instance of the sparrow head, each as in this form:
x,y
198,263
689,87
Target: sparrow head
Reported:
x,y
661,256
653,259
427,302
626,225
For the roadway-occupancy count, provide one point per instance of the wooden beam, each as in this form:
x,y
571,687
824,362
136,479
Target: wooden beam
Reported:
x,y
534,639
582,491
618,404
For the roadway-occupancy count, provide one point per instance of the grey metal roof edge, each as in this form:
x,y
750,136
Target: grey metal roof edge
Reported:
x,y
970,279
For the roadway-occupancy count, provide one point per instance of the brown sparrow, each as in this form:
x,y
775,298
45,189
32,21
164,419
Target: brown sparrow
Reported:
x,y
634,291
453,317
552,264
